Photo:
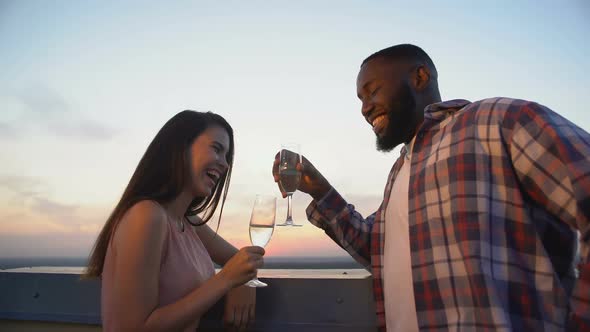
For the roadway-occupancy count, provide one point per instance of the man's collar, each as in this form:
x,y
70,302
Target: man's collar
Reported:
x,y
408,147
445,105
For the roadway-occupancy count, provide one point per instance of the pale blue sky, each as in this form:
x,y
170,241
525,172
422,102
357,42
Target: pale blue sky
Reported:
x,y
86,85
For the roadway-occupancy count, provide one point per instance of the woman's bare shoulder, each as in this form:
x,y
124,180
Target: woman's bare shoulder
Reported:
x,y
144,218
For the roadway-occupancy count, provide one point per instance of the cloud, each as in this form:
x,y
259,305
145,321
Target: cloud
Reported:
x,y
42,100
43,226
22,223
82,129
8,131
30,210
20,188
53,210
42,106
24,232
45,245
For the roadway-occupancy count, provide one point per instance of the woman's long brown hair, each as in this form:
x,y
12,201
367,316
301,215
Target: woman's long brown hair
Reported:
x,y
162,174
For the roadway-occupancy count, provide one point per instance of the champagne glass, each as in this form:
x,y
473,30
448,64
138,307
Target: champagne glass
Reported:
x,y
289,176
262,224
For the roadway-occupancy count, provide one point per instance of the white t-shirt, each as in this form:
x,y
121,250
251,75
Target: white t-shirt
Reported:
x,y
398,289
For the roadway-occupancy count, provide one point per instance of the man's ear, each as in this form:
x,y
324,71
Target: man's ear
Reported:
x,y
421,77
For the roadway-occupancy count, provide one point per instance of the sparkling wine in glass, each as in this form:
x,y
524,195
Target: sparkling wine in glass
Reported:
x,y
262,224
289,176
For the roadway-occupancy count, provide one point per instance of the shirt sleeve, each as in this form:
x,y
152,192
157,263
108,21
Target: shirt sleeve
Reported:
x,y
343,224
551,158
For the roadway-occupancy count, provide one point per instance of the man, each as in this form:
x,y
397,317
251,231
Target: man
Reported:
x,y
479,221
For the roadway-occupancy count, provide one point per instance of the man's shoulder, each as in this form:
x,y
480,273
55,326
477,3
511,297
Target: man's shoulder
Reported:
x,y
507,112
501,103
502,106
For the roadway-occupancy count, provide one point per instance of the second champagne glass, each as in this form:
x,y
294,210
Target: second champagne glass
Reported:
x,y
289,176
262,223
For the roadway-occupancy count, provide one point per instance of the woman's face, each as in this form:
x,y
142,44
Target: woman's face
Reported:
x,y
208,160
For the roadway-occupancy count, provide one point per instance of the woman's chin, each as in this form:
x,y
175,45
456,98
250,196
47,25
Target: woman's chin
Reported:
x,y
202,192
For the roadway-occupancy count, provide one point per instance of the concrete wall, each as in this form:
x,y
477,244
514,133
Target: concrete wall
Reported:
x,y
293,301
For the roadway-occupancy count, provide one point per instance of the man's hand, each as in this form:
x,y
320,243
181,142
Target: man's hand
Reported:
x,y
312,181
240,306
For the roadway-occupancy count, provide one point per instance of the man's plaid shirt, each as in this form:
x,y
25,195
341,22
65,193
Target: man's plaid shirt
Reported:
x,y
497,191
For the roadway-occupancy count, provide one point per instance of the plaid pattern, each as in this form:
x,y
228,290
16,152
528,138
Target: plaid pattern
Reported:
x,y
497,189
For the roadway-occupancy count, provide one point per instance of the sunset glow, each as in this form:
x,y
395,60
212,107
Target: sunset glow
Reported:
x,y
86,85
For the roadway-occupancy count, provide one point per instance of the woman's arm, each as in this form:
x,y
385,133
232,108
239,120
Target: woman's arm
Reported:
x,y
219,249
139,242
240,302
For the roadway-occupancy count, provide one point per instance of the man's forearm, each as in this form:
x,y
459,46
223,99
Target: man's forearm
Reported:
x,y
320,192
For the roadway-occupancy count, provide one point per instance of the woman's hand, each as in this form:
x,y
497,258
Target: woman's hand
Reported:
x,y
242,266
240,305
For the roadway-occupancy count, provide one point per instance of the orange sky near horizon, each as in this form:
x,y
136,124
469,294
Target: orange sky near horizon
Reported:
x,y
54,229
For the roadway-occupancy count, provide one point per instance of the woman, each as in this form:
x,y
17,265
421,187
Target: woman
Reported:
x,y
156,269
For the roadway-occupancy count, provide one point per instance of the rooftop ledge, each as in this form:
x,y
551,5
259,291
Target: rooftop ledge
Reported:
x,y
55,299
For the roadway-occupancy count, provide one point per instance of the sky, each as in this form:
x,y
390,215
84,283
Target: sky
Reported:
x,y
85,86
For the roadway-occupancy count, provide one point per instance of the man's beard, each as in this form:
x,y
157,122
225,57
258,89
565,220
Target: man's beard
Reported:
x,y
401,120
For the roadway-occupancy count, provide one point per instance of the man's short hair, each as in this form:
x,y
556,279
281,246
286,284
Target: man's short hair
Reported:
x,y
407,52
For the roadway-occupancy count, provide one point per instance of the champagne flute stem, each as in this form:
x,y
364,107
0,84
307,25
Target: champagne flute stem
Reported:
x,y
289,218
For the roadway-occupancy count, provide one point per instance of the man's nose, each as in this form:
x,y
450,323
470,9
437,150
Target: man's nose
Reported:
x,y
366,108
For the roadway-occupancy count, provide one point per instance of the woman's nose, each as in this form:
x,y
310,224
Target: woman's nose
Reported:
x,y
223,162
